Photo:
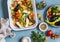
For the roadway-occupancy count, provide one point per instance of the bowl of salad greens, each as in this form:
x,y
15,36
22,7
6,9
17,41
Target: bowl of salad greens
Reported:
x,y
22,14
41,5
53,16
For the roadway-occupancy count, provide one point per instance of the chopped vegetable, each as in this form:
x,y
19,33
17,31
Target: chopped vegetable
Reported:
x,y
18,24
27,22
41,18
32,15
22,13
38,15
30,23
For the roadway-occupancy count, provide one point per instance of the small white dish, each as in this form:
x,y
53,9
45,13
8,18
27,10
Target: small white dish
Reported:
x,y
26,39
43,29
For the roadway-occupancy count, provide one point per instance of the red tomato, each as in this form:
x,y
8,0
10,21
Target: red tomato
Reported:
x,y
49,16
32,15
13,5
17,12
52,35
56,36
49,33
17,15
49,13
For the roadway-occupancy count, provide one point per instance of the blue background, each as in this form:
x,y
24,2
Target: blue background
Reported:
x,y
20,34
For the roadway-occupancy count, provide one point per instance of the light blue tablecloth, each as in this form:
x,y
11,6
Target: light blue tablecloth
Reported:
x,y
4,13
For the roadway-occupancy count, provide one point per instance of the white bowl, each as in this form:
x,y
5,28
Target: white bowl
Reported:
x,y
47,13
46,27
26,39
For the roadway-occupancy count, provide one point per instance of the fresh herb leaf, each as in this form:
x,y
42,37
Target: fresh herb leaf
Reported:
x,y
37,37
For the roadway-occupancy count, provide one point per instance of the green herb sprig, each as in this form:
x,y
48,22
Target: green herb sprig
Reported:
x,y
37,37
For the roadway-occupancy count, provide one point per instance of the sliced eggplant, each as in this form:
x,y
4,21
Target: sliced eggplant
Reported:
x,y
57,23
18,24
53,18
17,7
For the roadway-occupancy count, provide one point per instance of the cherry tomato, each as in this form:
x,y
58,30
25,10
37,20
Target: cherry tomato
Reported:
x,y
56,36
17,12
17,15
52,35
49,33
49,13
32,15
13,5
49,16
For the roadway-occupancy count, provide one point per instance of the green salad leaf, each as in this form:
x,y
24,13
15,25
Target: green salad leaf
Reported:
x,y
55,9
